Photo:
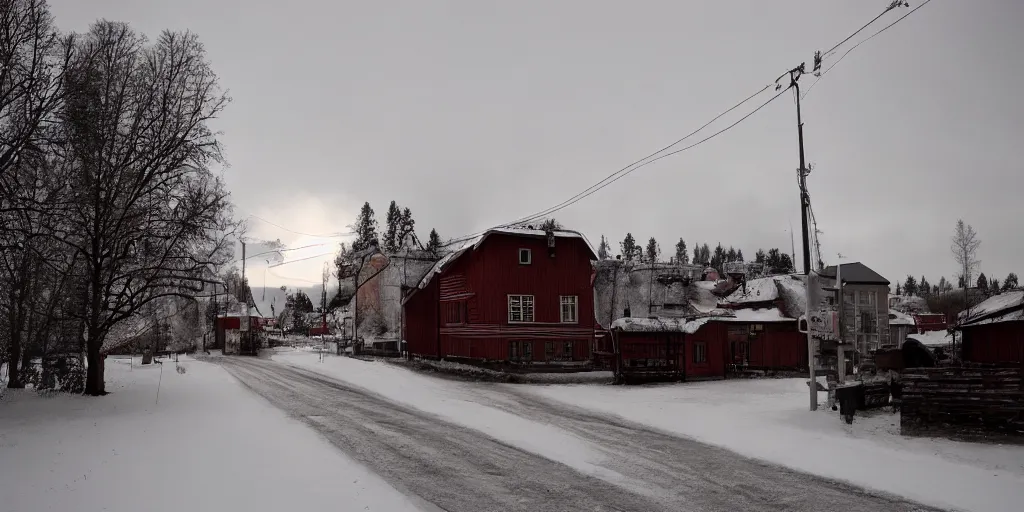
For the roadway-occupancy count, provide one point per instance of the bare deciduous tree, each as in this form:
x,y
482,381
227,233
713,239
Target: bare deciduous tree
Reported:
x,y
964,247
149,219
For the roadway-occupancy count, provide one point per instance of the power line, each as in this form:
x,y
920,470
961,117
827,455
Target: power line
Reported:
x,y
625,171
666,148
892,5
328,235
872,36
301,259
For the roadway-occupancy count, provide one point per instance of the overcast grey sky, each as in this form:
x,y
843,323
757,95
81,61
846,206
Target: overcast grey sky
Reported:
x,y
476,113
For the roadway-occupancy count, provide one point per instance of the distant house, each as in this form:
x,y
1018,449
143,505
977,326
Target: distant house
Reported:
x,y
865,306
900,326
993,331
764,335
518,297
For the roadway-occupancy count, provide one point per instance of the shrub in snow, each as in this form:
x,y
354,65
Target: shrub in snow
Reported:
x,y
180,369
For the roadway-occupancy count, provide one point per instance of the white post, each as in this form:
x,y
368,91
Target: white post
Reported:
x,y
813,385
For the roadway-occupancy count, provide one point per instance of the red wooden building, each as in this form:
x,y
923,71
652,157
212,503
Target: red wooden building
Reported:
x,y
994,331
520,297
764,335
667,349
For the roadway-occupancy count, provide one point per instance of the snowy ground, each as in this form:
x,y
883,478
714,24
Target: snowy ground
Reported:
x,y
765,419
208,444
768,419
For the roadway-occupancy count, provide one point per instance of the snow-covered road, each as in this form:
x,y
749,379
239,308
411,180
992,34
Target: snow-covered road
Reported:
x,y
600,463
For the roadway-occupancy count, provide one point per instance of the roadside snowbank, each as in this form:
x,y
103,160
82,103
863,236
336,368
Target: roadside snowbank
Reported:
x,y
208,444
768,419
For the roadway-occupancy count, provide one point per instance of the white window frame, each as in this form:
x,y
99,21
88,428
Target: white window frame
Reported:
x,y
529,256
867,337
523,306
569,300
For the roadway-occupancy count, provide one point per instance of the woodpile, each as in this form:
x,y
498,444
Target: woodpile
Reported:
x,y
963,402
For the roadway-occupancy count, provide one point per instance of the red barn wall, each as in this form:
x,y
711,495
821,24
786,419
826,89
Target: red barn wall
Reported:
x,y
421,321
713,335
995,343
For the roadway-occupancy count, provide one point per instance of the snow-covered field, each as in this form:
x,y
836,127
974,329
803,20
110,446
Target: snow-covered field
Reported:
x,y
208,444
768,419
765,419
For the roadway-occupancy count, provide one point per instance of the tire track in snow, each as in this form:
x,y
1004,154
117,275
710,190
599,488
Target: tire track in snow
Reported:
x,y
450,466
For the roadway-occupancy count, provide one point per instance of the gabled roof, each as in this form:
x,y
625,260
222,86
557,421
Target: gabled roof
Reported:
x,y
856,273
1005,307
475,243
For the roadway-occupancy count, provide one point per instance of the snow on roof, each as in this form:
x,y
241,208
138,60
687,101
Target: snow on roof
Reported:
x,y
475,243
1010,316
897,318
1005,300
660,324
932,338
794,294
702,297
757,290
757,315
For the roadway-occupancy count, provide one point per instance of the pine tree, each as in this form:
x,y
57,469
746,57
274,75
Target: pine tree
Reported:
x,y
899,291
923,287
739,255
604,250
434,244
696,254
1010,282
705,254
760,256
550,225
366,229
982,282
628,247
786,264
730,255
653,251
391,228
942,285
406,230
682,257
910,286
993,286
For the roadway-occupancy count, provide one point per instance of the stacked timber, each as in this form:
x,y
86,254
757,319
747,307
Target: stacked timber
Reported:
x,y
963,402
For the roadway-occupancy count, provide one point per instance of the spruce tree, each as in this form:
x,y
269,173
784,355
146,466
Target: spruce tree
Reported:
x,y
982,282
682,257
653,251
628,247
391,228
366,229
603,250
1010,282
434,244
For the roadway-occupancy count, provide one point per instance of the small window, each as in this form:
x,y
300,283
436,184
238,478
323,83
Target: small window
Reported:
x,y
525,256
549,350
569,309
567,351
700,352
454,313
520,308
513,351
527,351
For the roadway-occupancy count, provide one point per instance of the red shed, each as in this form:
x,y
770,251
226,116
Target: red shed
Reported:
x,y
668,348
511,296
994,331
762,336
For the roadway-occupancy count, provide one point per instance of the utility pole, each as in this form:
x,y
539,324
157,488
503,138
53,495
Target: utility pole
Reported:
x,y
245,297
840,349
805,202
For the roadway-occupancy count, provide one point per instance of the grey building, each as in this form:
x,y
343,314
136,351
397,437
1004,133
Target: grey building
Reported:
x,y
865,306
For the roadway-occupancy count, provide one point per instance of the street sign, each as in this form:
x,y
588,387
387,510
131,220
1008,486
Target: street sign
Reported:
x,y
824,324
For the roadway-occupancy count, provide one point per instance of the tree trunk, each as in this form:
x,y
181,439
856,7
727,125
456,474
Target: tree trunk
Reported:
x,y
13,370
94,371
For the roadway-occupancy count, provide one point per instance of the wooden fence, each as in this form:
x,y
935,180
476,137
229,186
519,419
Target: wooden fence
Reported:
x,y
963,402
